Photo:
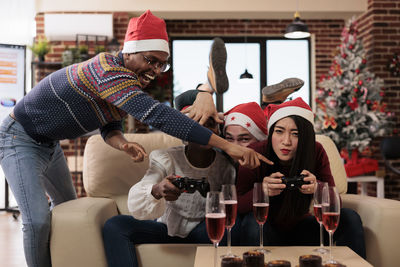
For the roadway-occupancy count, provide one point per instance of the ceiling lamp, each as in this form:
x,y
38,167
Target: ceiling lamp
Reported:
x,y
246,75
297,29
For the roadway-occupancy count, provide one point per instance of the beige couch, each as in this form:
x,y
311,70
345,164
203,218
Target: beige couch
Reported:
x,y
108,174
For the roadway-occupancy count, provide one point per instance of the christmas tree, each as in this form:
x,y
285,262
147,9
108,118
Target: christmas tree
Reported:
x,y
349,106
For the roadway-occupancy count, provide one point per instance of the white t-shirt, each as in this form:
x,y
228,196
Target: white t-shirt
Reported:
x,y
184,214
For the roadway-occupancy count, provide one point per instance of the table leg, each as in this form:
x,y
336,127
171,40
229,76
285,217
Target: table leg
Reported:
x,y
380,188
364,188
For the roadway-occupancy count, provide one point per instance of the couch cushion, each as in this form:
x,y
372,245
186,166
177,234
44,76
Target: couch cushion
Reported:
x,y
109,172
335,161
122,204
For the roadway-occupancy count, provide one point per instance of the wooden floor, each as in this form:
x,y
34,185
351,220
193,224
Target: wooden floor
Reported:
x,y
11,247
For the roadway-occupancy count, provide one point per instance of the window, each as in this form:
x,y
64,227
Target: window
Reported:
x,y
289,58
268,60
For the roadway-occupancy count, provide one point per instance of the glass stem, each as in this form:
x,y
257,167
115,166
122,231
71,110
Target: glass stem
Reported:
x,y
330,245
215,254
229,241
261,236
321,237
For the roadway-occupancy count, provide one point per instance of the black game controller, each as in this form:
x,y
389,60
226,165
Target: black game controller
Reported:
x,y
190,185
294,182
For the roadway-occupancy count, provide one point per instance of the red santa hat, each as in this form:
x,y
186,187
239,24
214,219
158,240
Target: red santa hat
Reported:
x,y
146,33
251,117
293,107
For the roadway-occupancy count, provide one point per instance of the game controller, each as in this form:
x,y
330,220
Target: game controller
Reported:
x,y
190,185
294,182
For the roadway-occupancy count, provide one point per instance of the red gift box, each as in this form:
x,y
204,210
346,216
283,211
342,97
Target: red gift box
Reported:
x,y
356,166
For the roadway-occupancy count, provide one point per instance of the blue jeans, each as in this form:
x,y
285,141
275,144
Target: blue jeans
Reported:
x,y
349,233
122,232
33,169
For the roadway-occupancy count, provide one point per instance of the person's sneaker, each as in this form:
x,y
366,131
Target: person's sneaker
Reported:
x,y
217,73
279,92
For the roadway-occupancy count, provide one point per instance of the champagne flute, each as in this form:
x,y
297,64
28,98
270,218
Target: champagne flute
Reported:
x,y
319,186
215,219
260,210
330,214
230,201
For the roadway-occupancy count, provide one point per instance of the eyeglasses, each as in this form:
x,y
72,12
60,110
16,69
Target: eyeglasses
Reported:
x,y
163,67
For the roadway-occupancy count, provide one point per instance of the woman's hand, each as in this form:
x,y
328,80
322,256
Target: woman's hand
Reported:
x,y
308,188
166,189
274,184
134,150
203,108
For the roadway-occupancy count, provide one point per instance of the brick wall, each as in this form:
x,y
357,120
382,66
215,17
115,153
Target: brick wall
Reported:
x,y
379,28
381,38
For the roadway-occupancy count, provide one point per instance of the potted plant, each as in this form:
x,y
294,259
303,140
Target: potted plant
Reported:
x,y
99,49
84,52
40,48
67,57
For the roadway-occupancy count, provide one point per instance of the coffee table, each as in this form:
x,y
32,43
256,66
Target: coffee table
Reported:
x,y
205,255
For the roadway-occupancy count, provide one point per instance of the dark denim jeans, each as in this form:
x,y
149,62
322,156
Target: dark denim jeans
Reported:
x,y
122,232
349,233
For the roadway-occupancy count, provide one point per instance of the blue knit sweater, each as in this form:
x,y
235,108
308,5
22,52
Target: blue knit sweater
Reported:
x,y
97,94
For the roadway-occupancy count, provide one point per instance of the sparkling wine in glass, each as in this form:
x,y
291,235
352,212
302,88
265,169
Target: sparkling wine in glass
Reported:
x,y
260,210
330,214
319,186
230,201
215,219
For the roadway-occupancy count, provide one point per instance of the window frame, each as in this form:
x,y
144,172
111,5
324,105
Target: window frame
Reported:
x,y
262,41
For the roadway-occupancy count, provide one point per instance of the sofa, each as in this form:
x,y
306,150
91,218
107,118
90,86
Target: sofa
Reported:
x,y
76,238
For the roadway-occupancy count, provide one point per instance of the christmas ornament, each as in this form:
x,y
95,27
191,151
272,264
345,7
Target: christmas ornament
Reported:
x,y
394,65
349,98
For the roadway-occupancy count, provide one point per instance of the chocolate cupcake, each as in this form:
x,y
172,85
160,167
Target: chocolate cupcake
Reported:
x,y
253,258
334,265
310,261
231,262
278,263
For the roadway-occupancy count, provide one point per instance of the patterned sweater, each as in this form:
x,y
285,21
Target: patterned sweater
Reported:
x,y
97,94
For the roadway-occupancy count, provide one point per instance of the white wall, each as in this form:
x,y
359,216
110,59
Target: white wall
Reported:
x,y
17,20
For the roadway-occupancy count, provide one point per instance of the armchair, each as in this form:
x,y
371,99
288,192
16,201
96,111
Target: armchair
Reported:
x,y
108,174
390,149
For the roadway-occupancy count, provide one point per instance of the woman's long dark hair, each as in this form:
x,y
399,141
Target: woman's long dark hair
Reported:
x,y
293,204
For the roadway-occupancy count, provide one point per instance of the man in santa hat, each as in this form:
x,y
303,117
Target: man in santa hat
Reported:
x,y
81,98
245,124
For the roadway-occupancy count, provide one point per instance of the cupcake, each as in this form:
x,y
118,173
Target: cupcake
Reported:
x,y
310,261
253,258
231,262
334,265
278,263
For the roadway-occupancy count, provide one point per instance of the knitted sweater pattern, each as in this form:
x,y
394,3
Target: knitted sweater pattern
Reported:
x,y
96,94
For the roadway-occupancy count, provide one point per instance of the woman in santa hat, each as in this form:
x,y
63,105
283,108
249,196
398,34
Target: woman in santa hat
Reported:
x,y
292,147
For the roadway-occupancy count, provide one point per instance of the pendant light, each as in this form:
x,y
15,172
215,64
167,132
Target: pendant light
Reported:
x,y
245,75
297,29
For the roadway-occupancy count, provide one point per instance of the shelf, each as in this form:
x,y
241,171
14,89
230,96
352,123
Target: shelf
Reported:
x,y
47,64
